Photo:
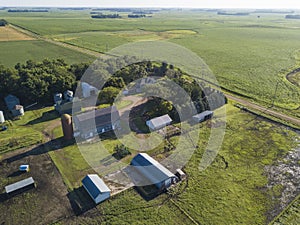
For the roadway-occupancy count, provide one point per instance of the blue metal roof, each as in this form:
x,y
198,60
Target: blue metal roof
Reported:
x,y
95,185
153,168
11,101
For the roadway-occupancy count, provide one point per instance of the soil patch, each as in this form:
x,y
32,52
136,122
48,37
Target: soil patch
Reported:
x,y
9,34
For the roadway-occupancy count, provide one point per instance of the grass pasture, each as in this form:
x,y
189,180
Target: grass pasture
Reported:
x,y
9,34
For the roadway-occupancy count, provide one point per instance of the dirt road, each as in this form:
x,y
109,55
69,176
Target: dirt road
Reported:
x,y
265,110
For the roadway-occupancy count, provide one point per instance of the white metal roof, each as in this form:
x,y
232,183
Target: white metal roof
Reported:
x,y
18,185
145,160
161,121
99,183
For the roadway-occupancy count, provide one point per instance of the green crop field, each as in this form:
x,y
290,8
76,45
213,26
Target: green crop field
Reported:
x,y
14,52
248,55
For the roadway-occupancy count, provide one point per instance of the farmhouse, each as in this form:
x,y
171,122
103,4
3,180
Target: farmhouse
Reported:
x,y
159,122
91,123
152,172
203,116
96,188
20,186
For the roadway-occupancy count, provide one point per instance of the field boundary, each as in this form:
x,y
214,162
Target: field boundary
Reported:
x,y
58,43
286,209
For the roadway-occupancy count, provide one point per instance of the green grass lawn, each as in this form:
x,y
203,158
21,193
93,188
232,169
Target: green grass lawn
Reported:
x,y
26,131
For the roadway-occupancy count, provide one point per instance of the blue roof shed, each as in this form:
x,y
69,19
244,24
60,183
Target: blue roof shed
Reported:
x,y
96,188
11,101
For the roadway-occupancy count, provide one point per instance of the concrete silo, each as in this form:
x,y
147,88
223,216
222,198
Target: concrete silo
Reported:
x,y
66,122
2,119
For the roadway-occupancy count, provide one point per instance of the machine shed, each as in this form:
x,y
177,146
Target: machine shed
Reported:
x,y
152,171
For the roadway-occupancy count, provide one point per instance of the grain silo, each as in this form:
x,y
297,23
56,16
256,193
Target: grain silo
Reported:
x,y
66,122
57,98
2,119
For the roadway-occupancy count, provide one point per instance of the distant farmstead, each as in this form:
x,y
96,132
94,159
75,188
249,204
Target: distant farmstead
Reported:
x,y
91,123
159,122
96,188
147,170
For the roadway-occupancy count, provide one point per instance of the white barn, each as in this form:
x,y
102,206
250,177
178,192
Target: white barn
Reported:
x,y
159,122
96,188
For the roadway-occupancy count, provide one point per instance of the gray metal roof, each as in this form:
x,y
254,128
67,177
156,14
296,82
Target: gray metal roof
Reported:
x,y
161,121
203,114
18,185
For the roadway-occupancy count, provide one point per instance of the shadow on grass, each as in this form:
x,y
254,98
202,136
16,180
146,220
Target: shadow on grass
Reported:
x,y
80,201
4,196
46,116
16,173
52,145
148,192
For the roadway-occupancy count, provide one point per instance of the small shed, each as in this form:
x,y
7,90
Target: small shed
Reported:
x,y
24,168
96,188
20,185
159,122
180,174
203,116
11,101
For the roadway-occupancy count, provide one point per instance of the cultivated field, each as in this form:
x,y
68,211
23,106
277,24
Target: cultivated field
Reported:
x,y
14,52
248,55
9,34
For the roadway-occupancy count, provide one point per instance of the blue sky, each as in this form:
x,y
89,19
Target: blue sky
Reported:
x,y
291,4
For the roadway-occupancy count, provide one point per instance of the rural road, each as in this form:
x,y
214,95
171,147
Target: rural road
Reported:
x,y
265,110
248,104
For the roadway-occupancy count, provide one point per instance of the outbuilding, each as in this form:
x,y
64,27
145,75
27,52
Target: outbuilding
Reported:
x,y
203,116
152,172
159,122
20,186
96,188
11,101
